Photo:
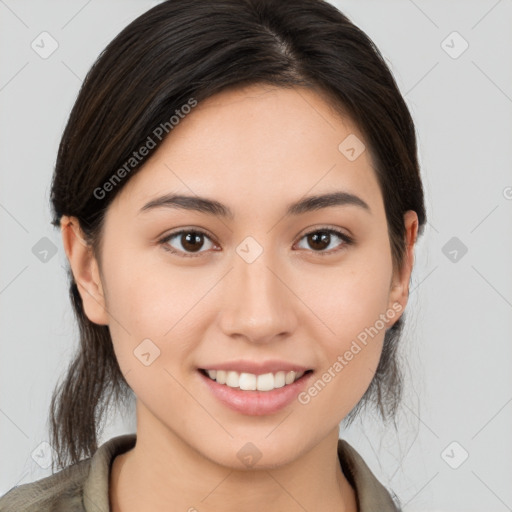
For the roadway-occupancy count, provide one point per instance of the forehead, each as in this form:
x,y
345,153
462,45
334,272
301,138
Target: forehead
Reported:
x,y
259,141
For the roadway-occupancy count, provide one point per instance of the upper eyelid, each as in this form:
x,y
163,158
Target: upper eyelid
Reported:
x,y
336,230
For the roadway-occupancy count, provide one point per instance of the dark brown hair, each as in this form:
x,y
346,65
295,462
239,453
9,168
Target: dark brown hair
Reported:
x,y
183,49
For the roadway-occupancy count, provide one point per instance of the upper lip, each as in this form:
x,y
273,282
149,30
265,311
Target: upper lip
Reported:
x,y
257,368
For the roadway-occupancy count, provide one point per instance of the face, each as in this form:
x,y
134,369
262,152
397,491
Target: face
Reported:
x,y
252,287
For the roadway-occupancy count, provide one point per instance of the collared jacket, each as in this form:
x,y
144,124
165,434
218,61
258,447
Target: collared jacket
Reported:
x,y
84,487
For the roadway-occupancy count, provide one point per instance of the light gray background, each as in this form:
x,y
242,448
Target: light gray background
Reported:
x,y
457,347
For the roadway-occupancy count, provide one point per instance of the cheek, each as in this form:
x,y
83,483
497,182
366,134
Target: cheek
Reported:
x,y
154,310
146,298
148,310
352,299
353,304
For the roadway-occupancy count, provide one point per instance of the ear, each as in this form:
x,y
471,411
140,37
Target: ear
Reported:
x,y
399,293
85,270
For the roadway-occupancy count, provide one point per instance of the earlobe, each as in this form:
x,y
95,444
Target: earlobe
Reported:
x,y
85,269
399,293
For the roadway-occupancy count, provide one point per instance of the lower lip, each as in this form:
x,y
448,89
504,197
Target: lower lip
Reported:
x,y
256,403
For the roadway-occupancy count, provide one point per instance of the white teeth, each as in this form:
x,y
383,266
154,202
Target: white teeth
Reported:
x,y
265,382
247,381
252,382
279,380
232,379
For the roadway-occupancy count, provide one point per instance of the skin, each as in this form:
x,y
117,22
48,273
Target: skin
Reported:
x,y
256,150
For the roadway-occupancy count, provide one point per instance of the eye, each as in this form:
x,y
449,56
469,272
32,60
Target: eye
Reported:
x,y
191,241
322,238
188,241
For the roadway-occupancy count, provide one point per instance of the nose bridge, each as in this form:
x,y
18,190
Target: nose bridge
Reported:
x,y
256,305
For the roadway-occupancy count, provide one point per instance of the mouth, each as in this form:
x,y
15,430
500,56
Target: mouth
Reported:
x,y
252,382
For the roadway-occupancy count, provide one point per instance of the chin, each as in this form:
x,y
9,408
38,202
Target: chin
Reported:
x,y
246,454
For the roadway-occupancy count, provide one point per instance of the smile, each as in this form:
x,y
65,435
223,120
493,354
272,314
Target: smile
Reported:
x,y
252,382
255,394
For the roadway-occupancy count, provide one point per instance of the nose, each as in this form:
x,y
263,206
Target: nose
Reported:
x,y
258,304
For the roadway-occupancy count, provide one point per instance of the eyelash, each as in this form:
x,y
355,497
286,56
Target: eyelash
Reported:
x,y
164,241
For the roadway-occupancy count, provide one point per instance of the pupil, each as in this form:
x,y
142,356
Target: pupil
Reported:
x,y
321,237
192,241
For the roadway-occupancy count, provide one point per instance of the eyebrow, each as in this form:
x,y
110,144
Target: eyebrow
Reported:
x,y
213,207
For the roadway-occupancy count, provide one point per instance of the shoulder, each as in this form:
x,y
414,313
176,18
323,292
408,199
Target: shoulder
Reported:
x,y
371,494
77,488
61,491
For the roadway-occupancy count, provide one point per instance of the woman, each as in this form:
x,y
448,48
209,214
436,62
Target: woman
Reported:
x,y
239,198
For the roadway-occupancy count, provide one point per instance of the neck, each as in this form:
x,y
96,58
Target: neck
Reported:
x,y
162,472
